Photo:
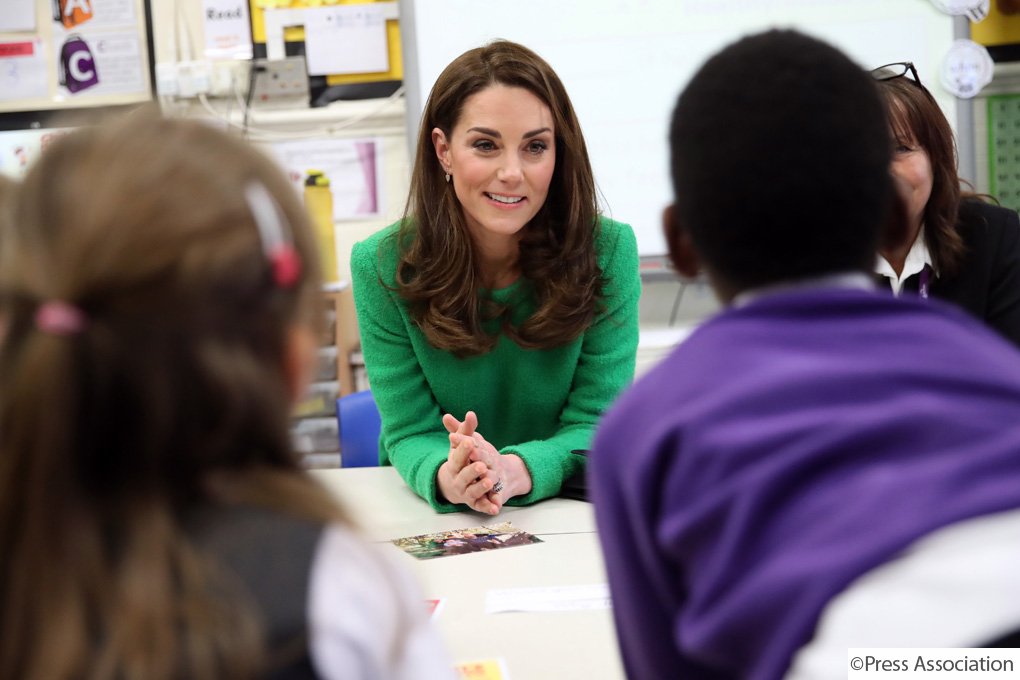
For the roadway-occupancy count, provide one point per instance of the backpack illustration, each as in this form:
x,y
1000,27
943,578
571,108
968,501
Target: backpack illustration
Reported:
x,y
77,65
72,13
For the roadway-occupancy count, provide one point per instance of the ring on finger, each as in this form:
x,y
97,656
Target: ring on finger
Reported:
x,y
498,486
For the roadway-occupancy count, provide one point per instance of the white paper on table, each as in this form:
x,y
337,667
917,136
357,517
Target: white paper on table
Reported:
x,y
18,15
549,599
22,70
227,29
352,166
346,39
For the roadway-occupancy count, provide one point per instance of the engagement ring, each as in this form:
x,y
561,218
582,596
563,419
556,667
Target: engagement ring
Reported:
x,y
498,486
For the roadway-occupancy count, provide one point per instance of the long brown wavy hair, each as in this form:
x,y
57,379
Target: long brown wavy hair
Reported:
x,y
917,119
437,273
172,395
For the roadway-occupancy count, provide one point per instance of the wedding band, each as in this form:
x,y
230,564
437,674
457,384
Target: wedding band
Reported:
x,y
498,486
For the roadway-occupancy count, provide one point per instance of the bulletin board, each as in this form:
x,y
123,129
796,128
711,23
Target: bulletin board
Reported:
x,y
297,35
64,56
624,62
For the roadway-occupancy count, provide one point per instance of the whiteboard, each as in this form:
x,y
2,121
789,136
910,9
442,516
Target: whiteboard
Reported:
x,y
624,62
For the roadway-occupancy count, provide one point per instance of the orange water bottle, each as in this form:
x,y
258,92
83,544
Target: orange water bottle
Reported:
x,y
319,202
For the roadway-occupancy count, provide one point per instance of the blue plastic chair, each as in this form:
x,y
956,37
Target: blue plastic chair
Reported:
x,y
359,423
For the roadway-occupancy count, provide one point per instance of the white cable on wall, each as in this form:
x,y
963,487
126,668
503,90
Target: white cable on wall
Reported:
x,y
266,135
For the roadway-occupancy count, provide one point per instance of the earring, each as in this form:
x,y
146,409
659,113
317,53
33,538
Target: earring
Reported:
x,y
447,178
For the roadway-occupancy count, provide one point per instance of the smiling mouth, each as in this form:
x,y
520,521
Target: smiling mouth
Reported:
x,y
505,200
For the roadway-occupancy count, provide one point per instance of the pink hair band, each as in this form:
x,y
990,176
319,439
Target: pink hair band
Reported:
x,y
59,318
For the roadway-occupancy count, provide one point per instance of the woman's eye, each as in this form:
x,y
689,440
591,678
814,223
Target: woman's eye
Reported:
x,y
484,145
903,148
537,147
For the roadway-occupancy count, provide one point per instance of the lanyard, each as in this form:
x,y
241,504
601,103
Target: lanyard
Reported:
x,y
922,286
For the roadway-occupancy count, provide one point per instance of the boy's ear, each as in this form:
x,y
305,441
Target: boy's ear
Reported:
x,y
681,250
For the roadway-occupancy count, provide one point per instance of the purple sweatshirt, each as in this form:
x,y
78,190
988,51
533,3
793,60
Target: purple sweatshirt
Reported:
x,y
784,449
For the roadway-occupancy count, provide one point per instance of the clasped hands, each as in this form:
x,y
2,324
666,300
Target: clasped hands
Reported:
x,y
476,473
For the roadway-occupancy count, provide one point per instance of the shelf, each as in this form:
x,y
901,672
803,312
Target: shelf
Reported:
x,y
345,335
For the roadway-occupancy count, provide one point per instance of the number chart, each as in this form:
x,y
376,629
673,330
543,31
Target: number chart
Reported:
x,y
1004,149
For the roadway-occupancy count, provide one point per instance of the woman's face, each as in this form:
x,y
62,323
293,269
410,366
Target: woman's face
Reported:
x,y
911,168
501,154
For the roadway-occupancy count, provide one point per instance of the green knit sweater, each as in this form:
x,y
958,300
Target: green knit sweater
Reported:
x,y
538,404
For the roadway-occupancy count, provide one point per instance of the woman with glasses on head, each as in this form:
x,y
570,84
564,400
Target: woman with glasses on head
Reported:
x,y
956,246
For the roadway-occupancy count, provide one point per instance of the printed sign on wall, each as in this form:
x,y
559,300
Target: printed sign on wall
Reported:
x,y
227,29
100,63
72,14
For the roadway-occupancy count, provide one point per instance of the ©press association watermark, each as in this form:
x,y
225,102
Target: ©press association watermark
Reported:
x,y
971,663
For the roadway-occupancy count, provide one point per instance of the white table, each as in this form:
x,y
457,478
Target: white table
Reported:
x,y
535,645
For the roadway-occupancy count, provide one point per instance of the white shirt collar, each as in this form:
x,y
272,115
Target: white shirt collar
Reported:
x,y
857,280
917,258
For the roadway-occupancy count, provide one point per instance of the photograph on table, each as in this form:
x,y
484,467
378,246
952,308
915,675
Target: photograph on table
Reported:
x,y
462,541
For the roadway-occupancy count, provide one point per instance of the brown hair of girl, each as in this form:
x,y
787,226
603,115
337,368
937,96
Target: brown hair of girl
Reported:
x,y
170,393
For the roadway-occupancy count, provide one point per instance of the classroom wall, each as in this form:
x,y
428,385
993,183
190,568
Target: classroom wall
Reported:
x,y
178,29
624,63
179,37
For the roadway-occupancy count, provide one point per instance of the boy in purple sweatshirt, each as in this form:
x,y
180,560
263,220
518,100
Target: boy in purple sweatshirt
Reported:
x,y
817,429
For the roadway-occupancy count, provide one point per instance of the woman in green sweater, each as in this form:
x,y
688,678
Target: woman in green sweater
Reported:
x,y
502,298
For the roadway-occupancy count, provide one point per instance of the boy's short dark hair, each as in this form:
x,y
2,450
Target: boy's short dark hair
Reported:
x,y
780,153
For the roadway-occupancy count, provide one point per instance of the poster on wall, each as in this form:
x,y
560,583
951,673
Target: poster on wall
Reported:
x,y
352,167
20,148
18,15
99,63
22,70
72,14
77,55
227,29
